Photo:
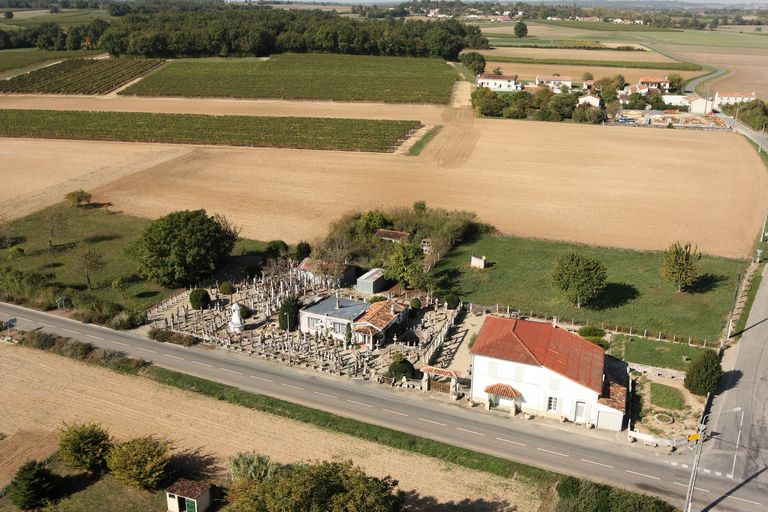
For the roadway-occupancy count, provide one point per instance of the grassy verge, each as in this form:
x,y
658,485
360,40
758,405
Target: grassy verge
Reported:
x,y
13,59
667,397
635,296
306,77
417,148
738,329
281,132
662,354
605,27
673,66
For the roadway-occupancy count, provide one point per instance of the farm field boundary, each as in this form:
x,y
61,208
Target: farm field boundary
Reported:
x,y
671,66
280,132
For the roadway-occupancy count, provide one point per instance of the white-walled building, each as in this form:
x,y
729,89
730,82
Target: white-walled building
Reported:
x,y
555,83
732,98
329,273
499,83
188,496
541,369
655,82
699,105
590,99
331,315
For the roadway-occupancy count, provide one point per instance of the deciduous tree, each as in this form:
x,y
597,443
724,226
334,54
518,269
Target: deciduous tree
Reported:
x,y
521,29
703,373
84,445
405,264
289,313
87,260
680,265
581,278
141,462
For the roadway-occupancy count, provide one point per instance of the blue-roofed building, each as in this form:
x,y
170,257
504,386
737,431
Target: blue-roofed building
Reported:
x,y
331,315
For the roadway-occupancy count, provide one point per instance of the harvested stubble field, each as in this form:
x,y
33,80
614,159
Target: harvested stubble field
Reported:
x,y
280,132
676,66
80,76
64,390
305,77
574,54
631,75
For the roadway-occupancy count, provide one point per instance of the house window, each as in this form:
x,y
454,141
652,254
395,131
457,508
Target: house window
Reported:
x,y
338,328
312,323
552,404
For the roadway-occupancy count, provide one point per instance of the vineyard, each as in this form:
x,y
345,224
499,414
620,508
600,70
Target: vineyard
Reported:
x,y
80,76
282,132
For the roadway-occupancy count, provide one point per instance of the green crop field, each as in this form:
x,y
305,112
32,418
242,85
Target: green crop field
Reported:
x,y
283,132
675,66
662,354
306,77
605,27
636,296
80,76
66,18
14,59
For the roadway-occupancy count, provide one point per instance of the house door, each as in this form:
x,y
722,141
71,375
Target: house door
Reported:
x,y
581,409
191,505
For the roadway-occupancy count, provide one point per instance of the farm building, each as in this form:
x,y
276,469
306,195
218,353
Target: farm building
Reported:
x,y
188,496
499,83
394,236
539,368
555,83
373,326
655,82
331,315
699,105
329,273
732,98
372,282
590,99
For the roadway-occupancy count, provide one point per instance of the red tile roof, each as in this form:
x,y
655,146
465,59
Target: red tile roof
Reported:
x,y
188,488
391,234
497,77
553,78
379,315
653,79
614,396
542,344
504,390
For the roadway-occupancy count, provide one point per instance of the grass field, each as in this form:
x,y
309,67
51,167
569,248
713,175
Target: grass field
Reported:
x,y
13,59
66,18
605,27
662,354
417,148
667,397
674,66
306,77
80,76
283,132
635,296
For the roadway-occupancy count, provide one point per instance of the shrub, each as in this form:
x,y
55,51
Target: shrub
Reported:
x,y
568,487
276,248
31,486
79,350
453,300
472,341
78,197
251,466
473,61
184,340
303,250
199,298
160,335
226,288
289,313
141,462
581,278
600,342
376,298
39,340
125,320
126,365
704,373
400,367
415,303
84,445
245,311
591,331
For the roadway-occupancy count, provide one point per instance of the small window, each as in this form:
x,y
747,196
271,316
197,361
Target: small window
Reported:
x,y
312,323
339,328
171,496
551,404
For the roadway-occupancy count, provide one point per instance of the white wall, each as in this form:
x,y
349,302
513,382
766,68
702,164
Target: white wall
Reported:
x,y
322,323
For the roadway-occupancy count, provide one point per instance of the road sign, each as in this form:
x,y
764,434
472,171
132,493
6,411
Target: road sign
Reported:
x,y
693,437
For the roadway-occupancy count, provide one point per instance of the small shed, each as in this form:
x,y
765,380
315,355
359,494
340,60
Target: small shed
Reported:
x,y
188,496
372,281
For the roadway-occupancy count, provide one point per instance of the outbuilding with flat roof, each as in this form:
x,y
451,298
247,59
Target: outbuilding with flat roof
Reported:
x,y
372,282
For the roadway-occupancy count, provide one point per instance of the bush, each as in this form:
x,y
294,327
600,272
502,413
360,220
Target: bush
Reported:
x,y
376,298
39,340
160,335
289,313
600,342
568,488
185,340
245,312
415,304
226,288
303,250
125,320
472,341
591,331
276,248
141,462
704,373
84,445
400,367
473,61
78,197
31,486
78,350
251,466
199,299
453,300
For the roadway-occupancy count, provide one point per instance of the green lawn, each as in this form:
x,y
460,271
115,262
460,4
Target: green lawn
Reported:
x,y
283,132
306,76
13,59
676,66
636,296
417,148
662,354
667,397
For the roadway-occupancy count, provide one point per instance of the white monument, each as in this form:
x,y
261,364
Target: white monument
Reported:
x,y
236,323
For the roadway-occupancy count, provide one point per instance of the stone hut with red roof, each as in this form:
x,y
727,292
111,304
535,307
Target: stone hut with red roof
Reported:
x,y
542,369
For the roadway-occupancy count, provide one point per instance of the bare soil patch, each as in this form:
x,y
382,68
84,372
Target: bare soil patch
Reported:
x,y
27,444
631,75
560,53
57,389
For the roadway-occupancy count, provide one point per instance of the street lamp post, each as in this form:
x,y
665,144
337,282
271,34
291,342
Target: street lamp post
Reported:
x,y
697,456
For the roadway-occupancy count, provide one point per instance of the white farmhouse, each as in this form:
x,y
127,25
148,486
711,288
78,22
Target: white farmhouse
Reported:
x,y
499,83
732,98
554,82
590,99
661,83
539,368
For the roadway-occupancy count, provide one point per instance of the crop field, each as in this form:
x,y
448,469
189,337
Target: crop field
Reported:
x,y
283,132
672,66
529,71
66,18
305,77
14,59
80,76
605,27
567,54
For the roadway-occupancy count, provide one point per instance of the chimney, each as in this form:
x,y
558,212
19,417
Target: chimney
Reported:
x,y
338,304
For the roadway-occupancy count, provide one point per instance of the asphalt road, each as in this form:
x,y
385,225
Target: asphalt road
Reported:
x,y
567,449
745,385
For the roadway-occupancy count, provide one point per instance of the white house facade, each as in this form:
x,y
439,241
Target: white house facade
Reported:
x,y
331,315
661,83
590,99
555,83
499,83
544,370
732,98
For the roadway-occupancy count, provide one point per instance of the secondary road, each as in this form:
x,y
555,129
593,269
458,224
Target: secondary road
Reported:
x,y
568,450
745,384
753,135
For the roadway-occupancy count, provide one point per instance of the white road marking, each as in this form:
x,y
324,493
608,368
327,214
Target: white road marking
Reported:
x,y
203,364
742,499
324,394
470,431
146,350
718,473
175,357
554,453
359,403
261,378
230,371
119,343
67,330
394,412
292,386
47,325
673,463
685,466
707,471
686,485
642,474
92,336
596,463
509,441
433,422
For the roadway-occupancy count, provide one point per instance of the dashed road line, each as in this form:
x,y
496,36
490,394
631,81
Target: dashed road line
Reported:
x,y
291,386
745,501
261,378
146,350
174,357
92,336
642,474
686,485
359,403
470,431
203,364
324,394
119,343
596,463
47,325
395,412
433,422
553,453
70,331
230,371
510,441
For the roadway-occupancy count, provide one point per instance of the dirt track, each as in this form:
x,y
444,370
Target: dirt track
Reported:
x,y
42,390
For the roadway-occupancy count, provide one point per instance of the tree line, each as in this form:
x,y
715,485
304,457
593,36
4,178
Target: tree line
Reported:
x,y
51,36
